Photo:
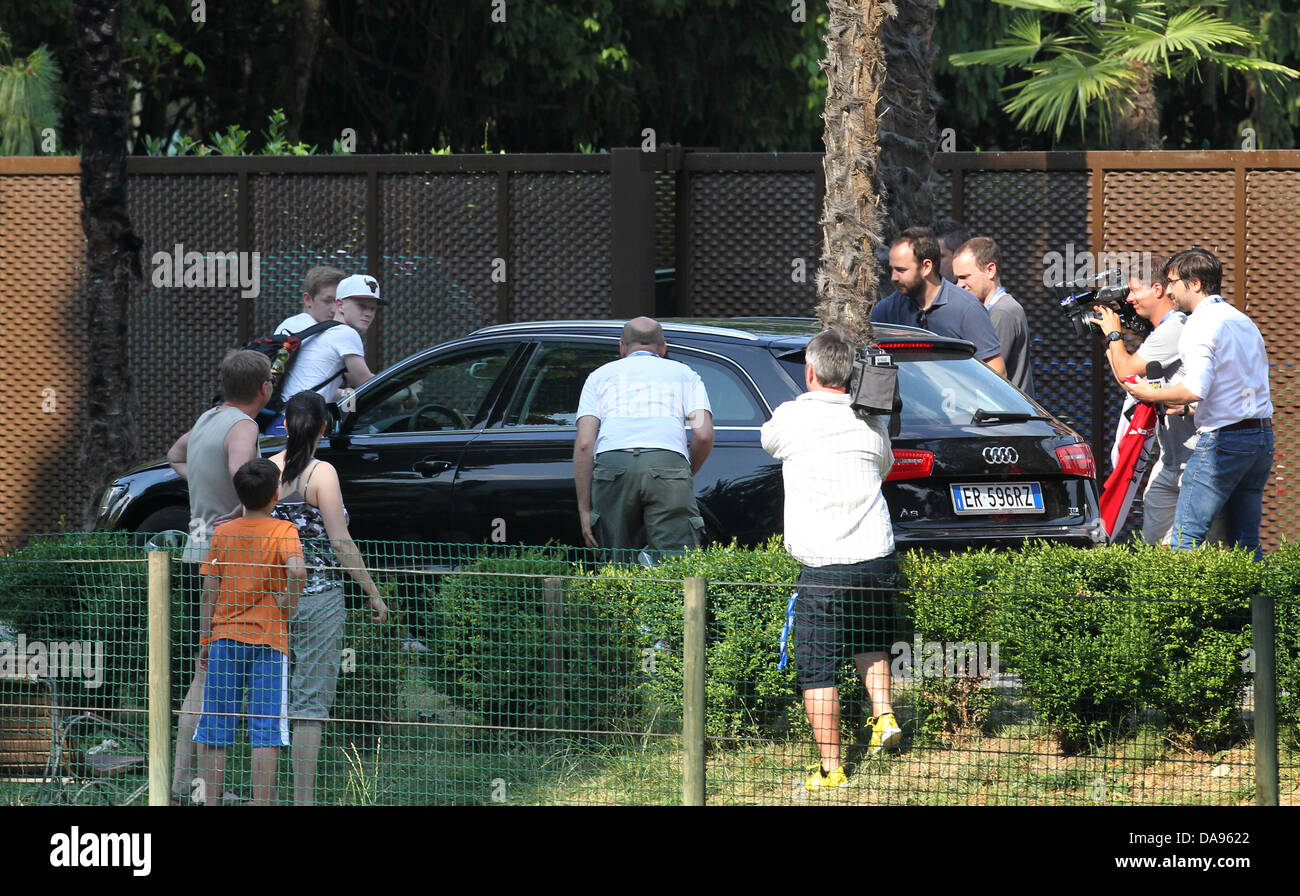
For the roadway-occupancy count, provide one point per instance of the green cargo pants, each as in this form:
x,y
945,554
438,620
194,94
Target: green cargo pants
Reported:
x,y
644,488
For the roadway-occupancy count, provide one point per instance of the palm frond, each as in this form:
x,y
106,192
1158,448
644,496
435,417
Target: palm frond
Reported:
x,y
1254,65
29,89
1194,32
1023,43
1064,7
1067,88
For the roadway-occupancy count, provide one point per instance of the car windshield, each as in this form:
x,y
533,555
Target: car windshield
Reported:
x,y
944,391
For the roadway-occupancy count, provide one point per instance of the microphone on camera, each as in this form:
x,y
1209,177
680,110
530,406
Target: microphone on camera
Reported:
x,y
1156,380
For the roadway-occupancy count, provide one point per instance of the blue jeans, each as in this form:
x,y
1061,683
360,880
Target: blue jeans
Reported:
x,y
1227,471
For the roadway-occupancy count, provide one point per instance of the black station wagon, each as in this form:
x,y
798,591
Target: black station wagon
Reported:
x,y
472,441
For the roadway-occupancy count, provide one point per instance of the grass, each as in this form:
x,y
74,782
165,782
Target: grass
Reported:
x,y
432,752
420,764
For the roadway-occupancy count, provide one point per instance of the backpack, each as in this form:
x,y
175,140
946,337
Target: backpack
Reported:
x,y
282,351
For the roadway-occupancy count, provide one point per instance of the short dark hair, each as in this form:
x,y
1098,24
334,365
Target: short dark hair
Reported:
x,y
950,233
257,482
242,374
983,250
924,245
1149,270
1197,264
831,354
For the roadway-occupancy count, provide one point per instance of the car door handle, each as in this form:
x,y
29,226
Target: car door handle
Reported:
x,y
433,467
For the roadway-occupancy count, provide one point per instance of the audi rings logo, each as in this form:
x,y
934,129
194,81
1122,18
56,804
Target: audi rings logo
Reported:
x,y
1001,454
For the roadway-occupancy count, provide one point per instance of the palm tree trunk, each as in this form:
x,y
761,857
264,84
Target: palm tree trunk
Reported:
x,y
851,217
1137,121
112,248
306,39
908,134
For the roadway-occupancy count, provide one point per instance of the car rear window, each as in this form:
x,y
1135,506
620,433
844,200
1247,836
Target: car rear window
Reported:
x,y
942,391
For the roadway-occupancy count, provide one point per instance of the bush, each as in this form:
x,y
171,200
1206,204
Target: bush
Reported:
x,y
373,671
83,587
1197,606
505,660
747,696
951,600
1282,580
1081,648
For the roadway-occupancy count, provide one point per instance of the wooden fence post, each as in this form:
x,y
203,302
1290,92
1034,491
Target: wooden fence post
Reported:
x,y
693,693
160,677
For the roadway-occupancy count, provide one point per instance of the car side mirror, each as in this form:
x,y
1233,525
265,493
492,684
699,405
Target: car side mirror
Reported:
x,y
338,417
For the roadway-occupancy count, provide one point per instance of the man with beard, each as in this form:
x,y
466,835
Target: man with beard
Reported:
x,y
924,299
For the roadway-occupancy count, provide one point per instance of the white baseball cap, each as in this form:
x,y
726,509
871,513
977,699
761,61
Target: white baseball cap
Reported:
x,y
359,286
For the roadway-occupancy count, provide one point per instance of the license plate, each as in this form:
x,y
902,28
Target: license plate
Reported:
x,y
997,497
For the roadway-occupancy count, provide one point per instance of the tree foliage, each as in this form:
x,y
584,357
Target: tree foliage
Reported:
x,y
1085,59
415,75
29,98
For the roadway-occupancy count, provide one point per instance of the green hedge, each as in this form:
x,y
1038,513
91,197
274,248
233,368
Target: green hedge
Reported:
x,y
83,587
501,657
747,696
1101,640
948,601
1283,583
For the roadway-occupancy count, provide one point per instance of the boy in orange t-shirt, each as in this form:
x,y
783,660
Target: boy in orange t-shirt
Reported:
x,y
252,577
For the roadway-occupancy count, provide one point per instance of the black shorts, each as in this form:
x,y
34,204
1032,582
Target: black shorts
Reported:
x,y
842,609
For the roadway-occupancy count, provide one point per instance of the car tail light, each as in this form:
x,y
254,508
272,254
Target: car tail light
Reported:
x,y
910,464
905,346
1076,460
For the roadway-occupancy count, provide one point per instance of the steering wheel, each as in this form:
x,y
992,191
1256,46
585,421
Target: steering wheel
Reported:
x,y
459,420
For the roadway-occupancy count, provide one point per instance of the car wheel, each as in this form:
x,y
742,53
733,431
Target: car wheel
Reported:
x,y
161,520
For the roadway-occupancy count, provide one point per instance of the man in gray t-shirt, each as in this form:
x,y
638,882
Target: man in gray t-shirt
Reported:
x,y
978,268
1176,433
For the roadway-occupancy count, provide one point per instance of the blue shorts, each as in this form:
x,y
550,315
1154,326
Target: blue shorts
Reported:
x,y
276,427
233,670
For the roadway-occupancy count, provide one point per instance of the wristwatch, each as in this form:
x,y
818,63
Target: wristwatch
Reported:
x,y
1114,336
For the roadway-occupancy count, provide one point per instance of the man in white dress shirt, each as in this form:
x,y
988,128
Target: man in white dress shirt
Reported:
x,y
837,525
1226,372
631,464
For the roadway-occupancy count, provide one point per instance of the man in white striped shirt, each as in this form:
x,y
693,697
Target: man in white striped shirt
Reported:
x,y
837,525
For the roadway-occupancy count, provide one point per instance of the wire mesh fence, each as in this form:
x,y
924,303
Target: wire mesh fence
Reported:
x,y
545,675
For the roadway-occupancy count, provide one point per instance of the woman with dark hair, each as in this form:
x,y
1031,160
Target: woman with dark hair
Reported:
x,y
310,499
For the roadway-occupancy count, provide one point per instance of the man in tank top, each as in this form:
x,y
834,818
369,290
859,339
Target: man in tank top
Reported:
x,y
223,439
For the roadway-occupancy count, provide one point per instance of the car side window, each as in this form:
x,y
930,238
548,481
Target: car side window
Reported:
x,y
549,391
447,393
732,400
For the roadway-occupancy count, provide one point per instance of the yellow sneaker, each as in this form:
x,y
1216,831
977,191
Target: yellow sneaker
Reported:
x,y
833,781
885,733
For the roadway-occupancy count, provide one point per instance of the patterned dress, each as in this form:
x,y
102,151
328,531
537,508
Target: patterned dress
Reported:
x,y
316,630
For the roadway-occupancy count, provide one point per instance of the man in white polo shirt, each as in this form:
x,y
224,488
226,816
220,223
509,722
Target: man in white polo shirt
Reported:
x,y
1226,373
837,525
631,463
